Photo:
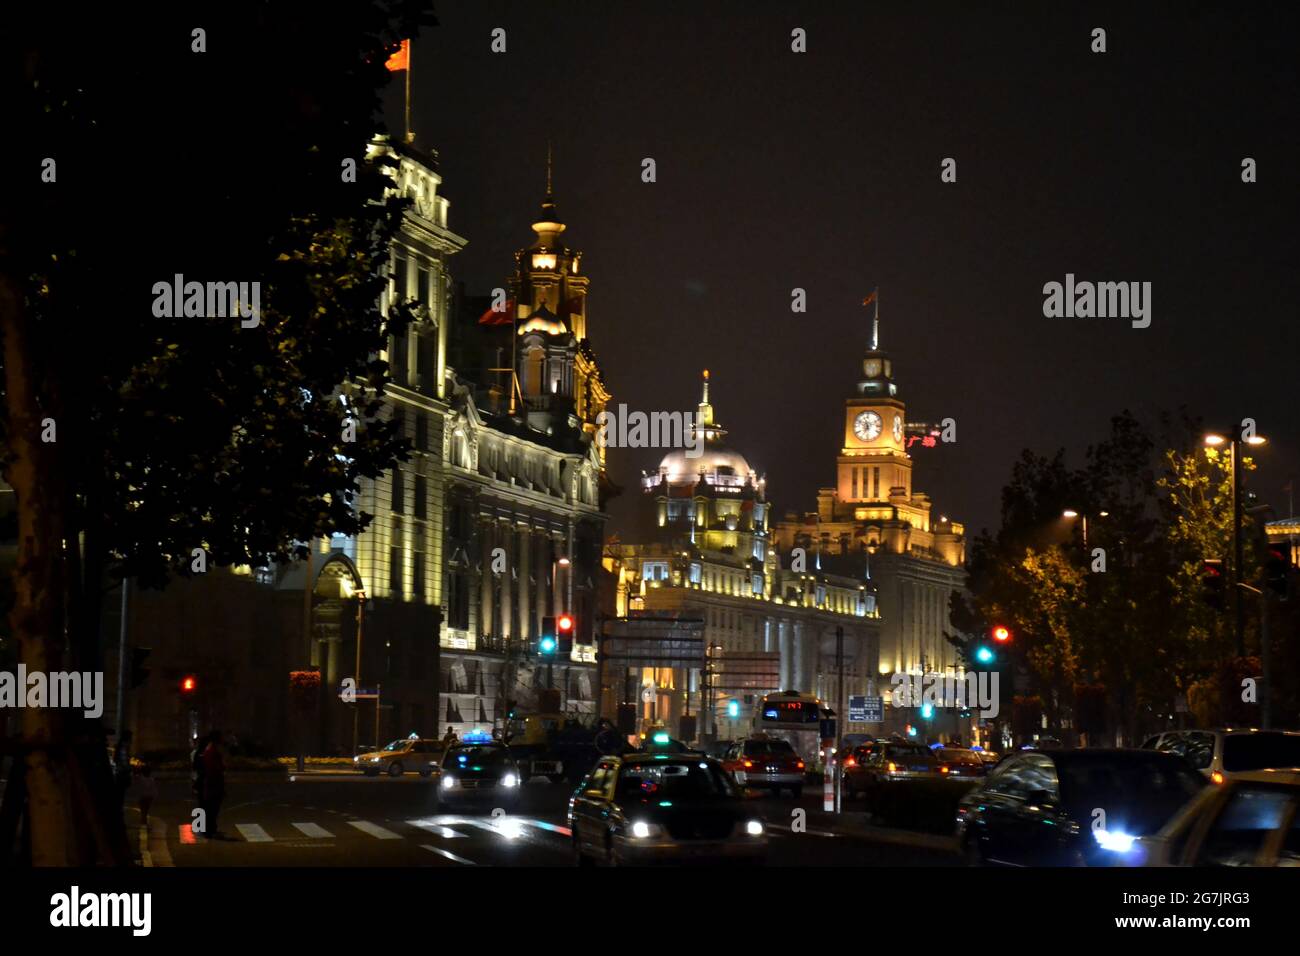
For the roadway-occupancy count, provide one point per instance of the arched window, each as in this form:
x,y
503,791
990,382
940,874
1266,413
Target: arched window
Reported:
x,y
534,369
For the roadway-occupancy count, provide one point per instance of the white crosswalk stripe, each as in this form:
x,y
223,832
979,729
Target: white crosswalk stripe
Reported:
x,y
254,833
374,830
314,830
451,856
437,829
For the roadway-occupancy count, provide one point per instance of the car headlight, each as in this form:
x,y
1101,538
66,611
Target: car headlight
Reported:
x,y
510,780
1116,842
754,827
447,782
644,831
356,759
375,759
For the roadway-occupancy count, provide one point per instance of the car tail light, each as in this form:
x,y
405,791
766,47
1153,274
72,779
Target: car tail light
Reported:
x,y
943,769
850,762
1216,777
749,763
799,765
892,767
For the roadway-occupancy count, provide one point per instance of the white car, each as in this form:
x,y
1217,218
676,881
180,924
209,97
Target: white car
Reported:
x,y
1232,752
1251,820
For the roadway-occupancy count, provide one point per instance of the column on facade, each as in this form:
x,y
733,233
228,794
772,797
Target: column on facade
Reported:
x,y
526,629
507,541
541,548
797,670
786,647
486,615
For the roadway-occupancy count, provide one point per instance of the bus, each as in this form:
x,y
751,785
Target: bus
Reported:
x,y
796,718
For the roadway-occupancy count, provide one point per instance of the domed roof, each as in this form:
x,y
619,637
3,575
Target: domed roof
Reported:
x,y
714,461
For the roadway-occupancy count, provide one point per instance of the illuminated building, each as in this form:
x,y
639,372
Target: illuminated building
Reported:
x,y
874,513
703,550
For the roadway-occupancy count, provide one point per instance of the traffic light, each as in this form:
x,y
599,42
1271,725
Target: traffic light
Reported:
x,y
984,654
1213,582
1277,567
564,629
733,709
1001,634
189,685
139,673
510,710
546,642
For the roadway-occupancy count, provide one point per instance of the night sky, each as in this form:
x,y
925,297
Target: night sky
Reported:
x,y
821,171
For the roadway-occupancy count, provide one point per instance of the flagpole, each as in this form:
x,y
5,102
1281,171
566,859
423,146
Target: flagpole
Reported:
x,y
409,58
875,323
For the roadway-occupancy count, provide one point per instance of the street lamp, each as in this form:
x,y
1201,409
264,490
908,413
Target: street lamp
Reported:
x,y
1071,513
1214,440
360,595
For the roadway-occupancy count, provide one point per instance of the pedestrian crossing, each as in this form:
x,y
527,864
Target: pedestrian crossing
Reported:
x,y
443,827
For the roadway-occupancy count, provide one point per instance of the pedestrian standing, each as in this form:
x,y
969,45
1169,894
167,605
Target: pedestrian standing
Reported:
x,y
146,790
214,784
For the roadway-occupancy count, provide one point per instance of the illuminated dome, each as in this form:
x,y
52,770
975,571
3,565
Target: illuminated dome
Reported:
x,y
721,466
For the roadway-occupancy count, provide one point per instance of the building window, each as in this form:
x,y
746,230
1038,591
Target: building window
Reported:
x,y
417,574
854,492
419,508
421,431
422,287
875,482
399,278
395,571
399,491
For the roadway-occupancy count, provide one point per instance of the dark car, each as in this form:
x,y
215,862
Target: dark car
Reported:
x,y
889,761
1072,807
958,763
663,808
766,763
482,773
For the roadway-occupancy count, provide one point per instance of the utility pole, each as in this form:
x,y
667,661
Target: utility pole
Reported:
x,y
122,652
1239,607
841,715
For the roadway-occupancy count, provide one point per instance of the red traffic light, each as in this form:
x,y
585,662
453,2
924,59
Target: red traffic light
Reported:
x,y
1001,634
564,623
189,684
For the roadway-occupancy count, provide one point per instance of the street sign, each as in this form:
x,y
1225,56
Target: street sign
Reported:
x,y
362,693
872,710
857,708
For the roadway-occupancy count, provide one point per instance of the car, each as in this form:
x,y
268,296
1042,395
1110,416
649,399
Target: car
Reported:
x,y
887,762
1230,752
409,753
1251,820
1072,807
663,808
478,773
958,763
766,763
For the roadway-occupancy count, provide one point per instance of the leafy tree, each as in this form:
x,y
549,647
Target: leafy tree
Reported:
x,y
131,440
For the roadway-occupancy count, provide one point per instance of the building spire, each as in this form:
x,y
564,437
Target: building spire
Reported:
x,y
705,416
875,322
549,196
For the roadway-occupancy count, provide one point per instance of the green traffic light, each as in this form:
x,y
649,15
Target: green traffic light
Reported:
x,y
547,645
984,655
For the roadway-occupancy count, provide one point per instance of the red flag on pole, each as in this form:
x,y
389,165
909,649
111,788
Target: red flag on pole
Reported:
x,y
401,60
869,299
505,316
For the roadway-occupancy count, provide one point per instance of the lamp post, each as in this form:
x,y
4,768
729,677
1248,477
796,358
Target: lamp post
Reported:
x,y
1071,513
356,705
1214,440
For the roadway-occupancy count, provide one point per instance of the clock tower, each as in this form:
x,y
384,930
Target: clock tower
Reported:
x,y
873,464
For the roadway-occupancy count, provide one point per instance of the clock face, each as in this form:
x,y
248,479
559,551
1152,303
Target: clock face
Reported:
x,y
867,426
871,367
898,428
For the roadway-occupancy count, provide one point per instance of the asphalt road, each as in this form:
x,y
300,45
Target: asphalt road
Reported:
x,y
343,819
